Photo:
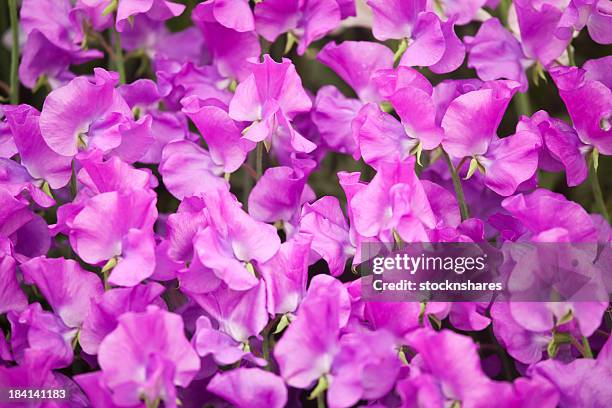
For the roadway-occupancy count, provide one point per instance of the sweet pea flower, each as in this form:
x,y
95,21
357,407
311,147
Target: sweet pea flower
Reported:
x,y
581,382
52,44
543,212
66,123
158,10
270,97
470,126
434,44
324,221
232,240
208,341
250,387
393,203
229,38
12,297
43,333
592,120
356,62
238,313
227,148
561,147
322,314
102,314
127,238
265,204
595,14
136,368
188,170
496,54
285,275
17,182
308,20
395,19
539,23
59,280
36,156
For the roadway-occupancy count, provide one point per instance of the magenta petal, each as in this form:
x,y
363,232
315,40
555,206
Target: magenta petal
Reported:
x,y
285,275
355,62
588,104
429,43
221,134
471,120
389,81
122,212
325,222
496,54
12,297
250,387
158,10
314,332
36,156
275,17
417,112
132,364
333,115
66,286
241,314
395,18
137,261
64,117
265,204
319,18
188,170
511,161
101,318
234,14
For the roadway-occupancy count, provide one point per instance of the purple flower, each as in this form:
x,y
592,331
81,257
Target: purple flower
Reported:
x,y
543,211
285,275
101,316
496,54
322,313
135,367
589,104
395,19
52,44
333,114
43,334
59,280
309,20
188,169
36,156
12,297
393,202
538,23
355,62
222,347
270,97
582,382
229,46
265,204
250,387
435,45
127,236
66,123
561,148
325,222
470,125
223,137
232,240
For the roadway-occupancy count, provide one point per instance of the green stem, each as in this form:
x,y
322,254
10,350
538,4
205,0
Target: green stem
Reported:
x,y
588,353
14,96
259,159
119,55
597,193
522,105
465,214
321,400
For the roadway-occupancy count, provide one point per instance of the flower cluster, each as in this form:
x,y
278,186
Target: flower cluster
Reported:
x,y
181,219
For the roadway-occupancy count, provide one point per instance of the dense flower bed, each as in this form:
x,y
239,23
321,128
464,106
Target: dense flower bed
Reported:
x,y
184,196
